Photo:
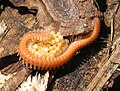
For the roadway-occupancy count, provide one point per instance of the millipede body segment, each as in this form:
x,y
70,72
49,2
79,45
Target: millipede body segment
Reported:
x,y
47,50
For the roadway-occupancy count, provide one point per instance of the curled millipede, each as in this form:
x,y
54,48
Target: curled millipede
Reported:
x,y
47,50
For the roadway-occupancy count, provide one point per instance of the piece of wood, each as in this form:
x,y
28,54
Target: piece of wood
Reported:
x,y
12,26
106,71
12,83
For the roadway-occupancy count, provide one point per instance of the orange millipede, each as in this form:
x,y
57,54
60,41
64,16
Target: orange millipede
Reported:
x,y
46,62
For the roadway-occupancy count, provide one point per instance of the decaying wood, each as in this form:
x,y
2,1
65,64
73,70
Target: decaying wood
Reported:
x,y
12,83
16,25
109,64
12,68
19,80
106,71
67,17
72,76
35,83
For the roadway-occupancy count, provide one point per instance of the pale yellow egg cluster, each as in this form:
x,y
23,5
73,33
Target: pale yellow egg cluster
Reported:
x,y
52,47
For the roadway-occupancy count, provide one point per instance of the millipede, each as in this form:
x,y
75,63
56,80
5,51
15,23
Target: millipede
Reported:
x,y
47,50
